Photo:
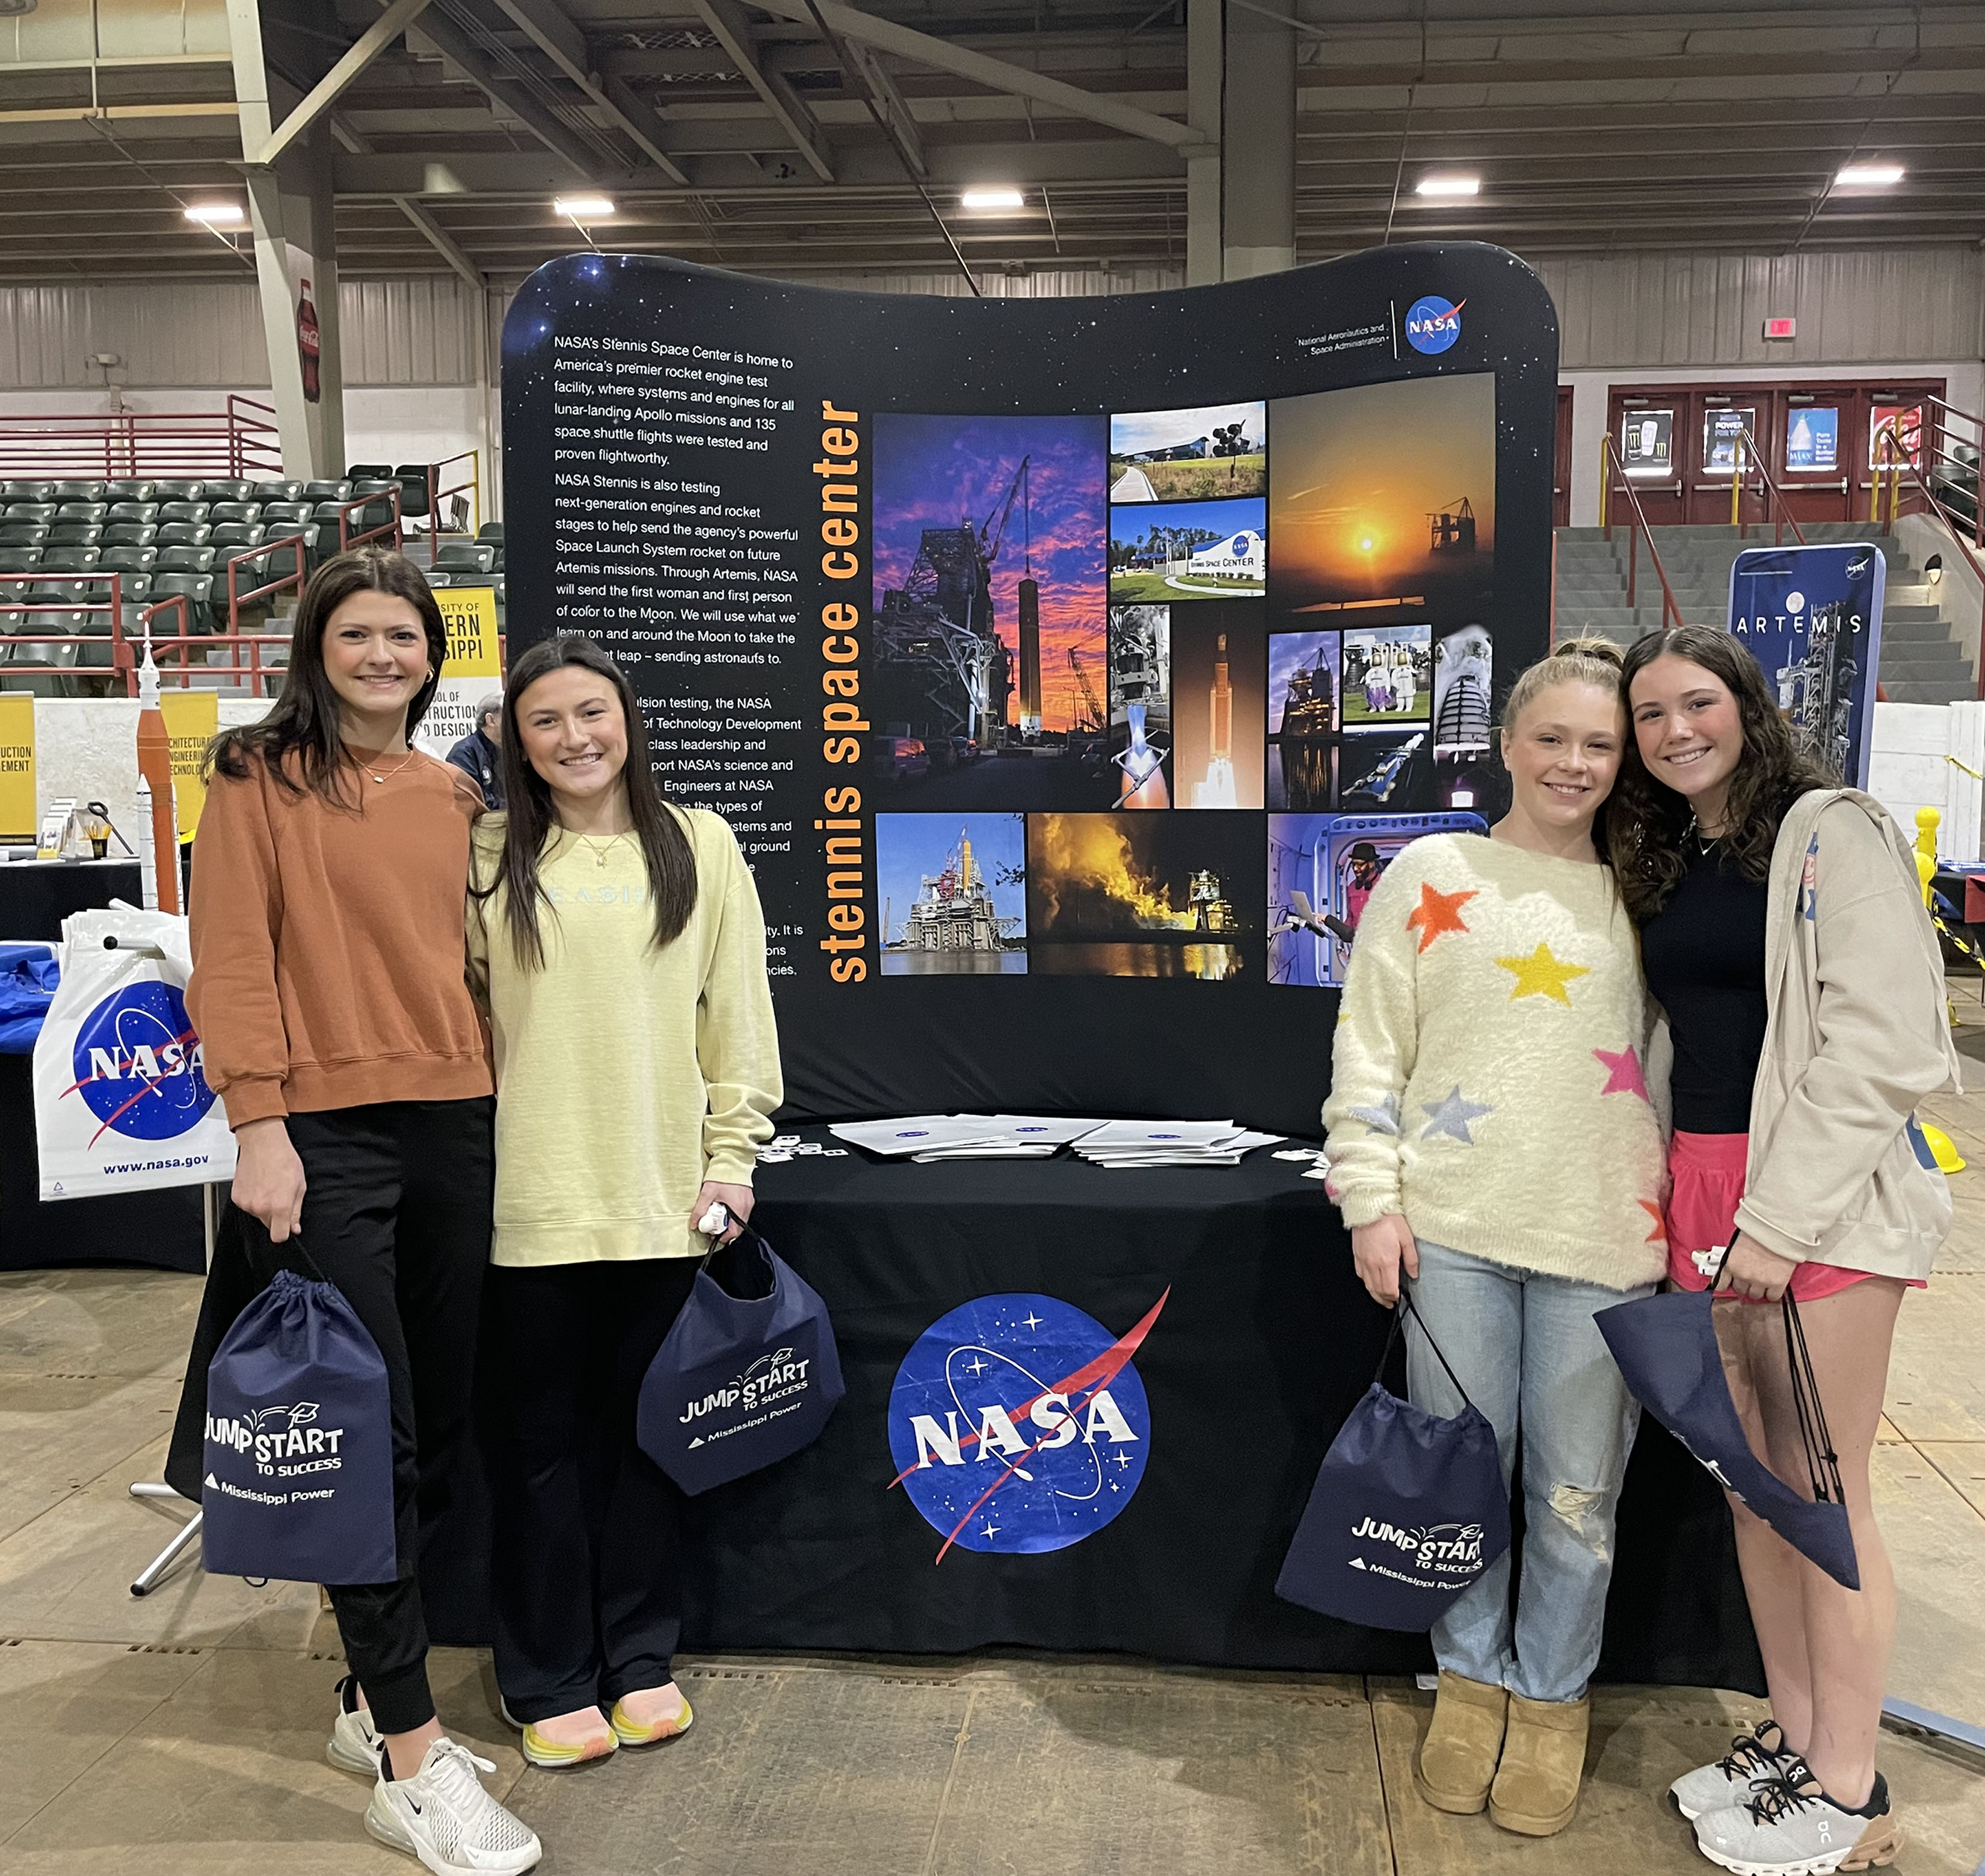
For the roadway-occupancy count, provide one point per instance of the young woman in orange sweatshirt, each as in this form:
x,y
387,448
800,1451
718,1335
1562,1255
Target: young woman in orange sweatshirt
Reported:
x,y
329,992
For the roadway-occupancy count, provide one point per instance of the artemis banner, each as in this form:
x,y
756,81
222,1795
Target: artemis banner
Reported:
x,y
1812,618
1069,669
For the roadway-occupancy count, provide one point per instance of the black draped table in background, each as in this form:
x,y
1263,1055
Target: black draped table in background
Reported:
x,y
1264,1341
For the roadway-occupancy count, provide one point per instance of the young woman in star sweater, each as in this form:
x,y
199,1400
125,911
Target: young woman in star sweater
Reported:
x,y
1492,1146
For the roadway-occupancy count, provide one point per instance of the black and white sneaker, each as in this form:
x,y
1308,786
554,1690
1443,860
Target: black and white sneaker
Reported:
x,y
1758,1753
355,1744
443,1816
1790,1827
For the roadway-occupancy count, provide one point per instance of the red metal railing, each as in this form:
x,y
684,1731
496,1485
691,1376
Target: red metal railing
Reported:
x,y
123,662
1609,462
349,536
469,483
1898,466
1775,510
238,443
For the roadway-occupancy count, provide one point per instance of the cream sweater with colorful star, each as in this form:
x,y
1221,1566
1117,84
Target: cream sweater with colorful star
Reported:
x,y
1488,1073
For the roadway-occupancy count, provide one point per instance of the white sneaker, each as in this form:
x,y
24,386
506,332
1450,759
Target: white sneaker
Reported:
x,y
1793,1828
1760,1753
443,1816
354,1745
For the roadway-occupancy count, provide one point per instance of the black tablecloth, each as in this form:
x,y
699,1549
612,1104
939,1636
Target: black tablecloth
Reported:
x,y
37,895
162,1229
1264,1343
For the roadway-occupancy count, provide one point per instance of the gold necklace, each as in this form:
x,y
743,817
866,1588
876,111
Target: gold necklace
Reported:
x,y
390,772
599,854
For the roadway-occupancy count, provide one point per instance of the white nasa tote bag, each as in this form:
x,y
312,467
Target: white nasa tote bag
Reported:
x,y
121,1099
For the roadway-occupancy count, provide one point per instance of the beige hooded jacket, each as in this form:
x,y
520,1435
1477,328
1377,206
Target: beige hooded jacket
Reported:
x,y
1858,1033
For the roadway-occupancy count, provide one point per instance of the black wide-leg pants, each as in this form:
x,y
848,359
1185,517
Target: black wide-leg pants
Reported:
x,y
397,1213
586,1568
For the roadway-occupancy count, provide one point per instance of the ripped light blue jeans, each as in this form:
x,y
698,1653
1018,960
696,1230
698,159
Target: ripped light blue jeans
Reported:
x,y
1526,1347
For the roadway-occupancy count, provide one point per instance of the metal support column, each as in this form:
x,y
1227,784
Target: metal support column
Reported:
x,y
1205,66
1259,150
289,210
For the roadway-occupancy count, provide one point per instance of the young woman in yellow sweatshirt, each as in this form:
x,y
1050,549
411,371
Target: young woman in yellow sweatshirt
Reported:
x,y
617,943
1492,1145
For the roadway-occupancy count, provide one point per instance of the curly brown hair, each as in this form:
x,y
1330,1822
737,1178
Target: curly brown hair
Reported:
x,y
1647,824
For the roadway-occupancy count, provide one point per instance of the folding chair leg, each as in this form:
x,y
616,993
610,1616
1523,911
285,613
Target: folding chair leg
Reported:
x,y
160,1566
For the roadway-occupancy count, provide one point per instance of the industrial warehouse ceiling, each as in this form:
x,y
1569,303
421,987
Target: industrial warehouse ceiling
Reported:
x,y
793,138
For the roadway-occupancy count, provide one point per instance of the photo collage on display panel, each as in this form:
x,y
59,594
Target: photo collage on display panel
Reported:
x,y
1161,693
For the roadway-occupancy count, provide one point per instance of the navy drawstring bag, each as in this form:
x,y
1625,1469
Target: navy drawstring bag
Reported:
x,y
1666,1350
1407,1511
298,1478
739,1382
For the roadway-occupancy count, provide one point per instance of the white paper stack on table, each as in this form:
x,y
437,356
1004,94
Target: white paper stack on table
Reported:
x,y
1171,1142
926,1138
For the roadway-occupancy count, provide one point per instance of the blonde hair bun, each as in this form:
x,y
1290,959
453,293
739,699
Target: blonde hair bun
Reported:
x,y
1590,660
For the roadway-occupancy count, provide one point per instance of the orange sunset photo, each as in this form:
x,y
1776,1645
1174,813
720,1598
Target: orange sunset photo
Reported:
x,y
1383,493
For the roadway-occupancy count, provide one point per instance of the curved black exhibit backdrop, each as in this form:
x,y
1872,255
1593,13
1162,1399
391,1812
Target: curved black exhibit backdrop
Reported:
x,y
1069,669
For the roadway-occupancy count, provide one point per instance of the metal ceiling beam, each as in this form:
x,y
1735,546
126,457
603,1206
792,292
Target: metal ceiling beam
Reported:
x,y
726,19
548,27
995,74
325,92
453,44
440,241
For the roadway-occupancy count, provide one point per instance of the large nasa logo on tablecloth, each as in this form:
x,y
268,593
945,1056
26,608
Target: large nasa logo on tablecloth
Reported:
x,y
1019,1424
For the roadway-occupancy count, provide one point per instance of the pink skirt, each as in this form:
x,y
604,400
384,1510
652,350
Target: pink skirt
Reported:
x,y
1707,1173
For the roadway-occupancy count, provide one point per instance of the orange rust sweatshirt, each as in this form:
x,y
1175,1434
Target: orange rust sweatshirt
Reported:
x,y
327,942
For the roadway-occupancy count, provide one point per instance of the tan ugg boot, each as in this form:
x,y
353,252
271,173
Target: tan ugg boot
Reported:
x,y
1457,1758
1535,1790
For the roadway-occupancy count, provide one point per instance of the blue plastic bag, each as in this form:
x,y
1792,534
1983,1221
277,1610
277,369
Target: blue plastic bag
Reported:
x,y
298,1482
1666,1347
28,975
739,1382
1407,1511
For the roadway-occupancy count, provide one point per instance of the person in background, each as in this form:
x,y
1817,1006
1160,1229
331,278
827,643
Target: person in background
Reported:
x,y
330,995
1492,1141
1783,926
478,755
617,941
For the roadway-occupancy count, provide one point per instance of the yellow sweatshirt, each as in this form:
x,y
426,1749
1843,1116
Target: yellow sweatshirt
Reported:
x,y
626,1076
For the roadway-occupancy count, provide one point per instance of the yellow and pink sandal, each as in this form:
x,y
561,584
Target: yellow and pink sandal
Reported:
x,y
629,1731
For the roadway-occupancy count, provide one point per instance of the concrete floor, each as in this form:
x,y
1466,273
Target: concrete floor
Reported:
x,y
185,1733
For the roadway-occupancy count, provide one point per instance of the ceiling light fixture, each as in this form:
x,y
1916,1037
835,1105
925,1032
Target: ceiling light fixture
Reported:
x,y
583,208
1868,176
1449,186
992,201
216,214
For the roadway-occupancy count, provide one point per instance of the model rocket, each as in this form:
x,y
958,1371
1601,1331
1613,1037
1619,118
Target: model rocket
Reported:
x,y
1216,790
158,815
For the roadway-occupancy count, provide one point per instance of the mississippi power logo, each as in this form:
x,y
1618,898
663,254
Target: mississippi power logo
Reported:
x,y
1433,323
771,1386
138,1065
1019,1424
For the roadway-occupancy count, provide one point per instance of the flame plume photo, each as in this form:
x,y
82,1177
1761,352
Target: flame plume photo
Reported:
x,y
1144,895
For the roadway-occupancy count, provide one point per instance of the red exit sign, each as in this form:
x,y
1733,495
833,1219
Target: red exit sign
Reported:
x,y
1781,328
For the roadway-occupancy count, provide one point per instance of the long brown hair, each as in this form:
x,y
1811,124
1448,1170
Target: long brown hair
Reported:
x,y
298,740
1649,825
533,824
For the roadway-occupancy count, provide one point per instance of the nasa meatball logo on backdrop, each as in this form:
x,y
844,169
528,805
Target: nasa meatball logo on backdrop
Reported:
x,y
1433,323
1019,1424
